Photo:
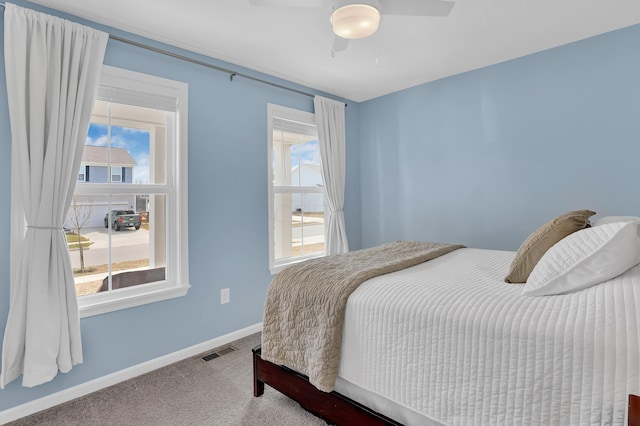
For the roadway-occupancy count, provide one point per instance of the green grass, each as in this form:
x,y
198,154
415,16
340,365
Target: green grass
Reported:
x,y
75,246
72,241
73,238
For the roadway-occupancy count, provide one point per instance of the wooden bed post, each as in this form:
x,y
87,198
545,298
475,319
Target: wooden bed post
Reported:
x,y
634,410
258,386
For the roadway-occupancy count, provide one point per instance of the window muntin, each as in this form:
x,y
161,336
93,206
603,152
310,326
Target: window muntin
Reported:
x,y
144,260
296,193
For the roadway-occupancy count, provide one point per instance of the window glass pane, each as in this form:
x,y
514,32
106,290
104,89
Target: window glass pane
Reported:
x,y
121,233
299,224
132,140
90,257
305,163
294,144
308,224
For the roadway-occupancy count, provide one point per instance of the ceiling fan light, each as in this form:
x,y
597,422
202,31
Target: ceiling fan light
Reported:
x,y
355,21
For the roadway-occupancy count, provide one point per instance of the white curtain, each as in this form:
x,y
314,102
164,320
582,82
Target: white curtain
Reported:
x,y
331,134
52,69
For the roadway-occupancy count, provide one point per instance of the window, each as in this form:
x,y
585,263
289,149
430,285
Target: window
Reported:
x,y
81,174
116,174
133,212
296,192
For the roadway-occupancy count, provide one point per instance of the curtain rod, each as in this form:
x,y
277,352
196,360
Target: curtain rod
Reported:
x,y
232,73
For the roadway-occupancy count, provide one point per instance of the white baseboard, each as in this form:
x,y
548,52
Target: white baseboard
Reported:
x,y
86,388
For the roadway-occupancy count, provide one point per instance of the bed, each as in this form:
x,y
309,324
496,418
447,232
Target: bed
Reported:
x,y
447,341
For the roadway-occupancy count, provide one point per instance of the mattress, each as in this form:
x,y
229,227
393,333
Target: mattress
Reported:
x,y
449,342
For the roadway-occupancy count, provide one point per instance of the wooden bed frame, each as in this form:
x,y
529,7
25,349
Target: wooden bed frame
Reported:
x,y
332,407
335,408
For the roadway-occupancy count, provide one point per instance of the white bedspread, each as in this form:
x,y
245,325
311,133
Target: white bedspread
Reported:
x,y
449,339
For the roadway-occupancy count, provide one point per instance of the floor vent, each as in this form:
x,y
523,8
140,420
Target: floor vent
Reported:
x,y
219,352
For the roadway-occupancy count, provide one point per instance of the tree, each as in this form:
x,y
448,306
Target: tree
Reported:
x,y
78,217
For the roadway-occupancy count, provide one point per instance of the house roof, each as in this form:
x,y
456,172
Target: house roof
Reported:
x,y
99,156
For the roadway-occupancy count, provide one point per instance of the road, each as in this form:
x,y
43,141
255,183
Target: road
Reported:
x,y
127,244
312,234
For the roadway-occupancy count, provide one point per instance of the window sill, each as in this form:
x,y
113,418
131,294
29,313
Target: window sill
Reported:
x,y
284,265
125,298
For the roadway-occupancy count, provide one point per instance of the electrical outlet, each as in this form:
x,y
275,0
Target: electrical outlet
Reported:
x,y
224,295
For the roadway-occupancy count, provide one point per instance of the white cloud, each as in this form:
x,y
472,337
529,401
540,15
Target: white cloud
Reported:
x,y
141,171
307,153
311,158
100,141
131,131
116,142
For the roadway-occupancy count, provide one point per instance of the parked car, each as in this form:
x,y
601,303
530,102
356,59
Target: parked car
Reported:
x,y
123,219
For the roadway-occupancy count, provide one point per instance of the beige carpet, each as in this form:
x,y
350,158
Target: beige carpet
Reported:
x,y
189,392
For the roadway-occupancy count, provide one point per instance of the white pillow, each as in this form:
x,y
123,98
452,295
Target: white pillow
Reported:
x,y
611,219
586,257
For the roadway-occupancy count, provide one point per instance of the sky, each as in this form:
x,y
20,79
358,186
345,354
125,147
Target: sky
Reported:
x,y
133,140
305,153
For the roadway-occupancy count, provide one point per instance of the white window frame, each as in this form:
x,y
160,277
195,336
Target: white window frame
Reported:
x,y
82,172
119,174
277,111
175,189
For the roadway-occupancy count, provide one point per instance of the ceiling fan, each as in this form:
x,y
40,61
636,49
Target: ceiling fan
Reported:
x,y
354,19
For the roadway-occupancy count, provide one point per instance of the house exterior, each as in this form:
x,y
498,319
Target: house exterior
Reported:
x,y
95,165
95,169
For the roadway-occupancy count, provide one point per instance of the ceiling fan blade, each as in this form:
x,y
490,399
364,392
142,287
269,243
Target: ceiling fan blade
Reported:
x,y
416,7
288,3
339,44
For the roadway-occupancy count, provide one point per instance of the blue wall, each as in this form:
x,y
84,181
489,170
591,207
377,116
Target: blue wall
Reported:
x,y
485,157
228,237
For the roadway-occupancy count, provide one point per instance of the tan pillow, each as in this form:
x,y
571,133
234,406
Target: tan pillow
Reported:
x,y
542,239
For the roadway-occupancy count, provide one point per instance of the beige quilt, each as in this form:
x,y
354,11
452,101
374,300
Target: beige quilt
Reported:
x,y
305,305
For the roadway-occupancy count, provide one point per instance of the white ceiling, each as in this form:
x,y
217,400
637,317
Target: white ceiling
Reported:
x,y
295,43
